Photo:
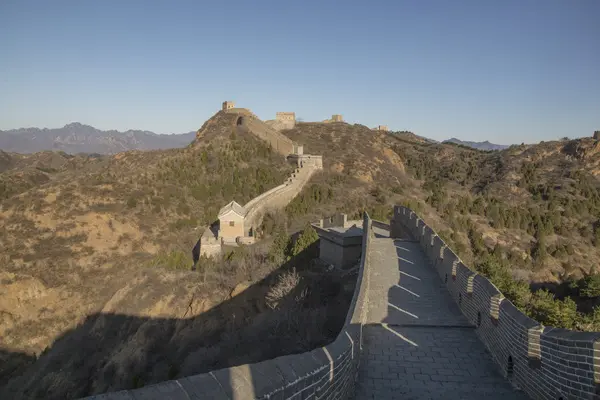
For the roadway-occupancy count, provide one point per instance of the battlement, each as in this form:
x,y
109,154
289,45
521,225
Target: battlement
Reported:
x,y
545,362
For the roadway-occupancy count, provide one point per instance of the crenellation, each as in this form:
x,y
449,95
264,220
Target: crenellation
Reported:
x,y
544,362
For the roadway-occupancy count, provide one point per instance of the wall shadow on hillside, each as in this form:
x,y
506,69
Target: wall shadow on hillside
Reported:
x,y
109,352
12,363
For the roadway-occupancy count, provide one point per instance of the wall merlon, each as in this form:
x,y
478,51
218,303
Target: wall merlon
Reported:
x,y
547,363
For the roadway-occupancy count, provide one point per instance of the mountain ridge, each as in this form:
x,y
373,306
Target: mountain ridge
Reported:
x,y
485,145
76,137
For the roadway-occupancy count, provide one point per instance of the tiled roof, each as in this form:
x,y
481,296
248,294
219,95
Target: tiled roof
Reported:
x,y
233,206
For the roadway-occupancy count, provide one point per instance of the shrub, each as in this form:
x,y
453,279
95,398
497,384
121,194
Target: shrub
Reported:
x,y
174,259
306,238
286,283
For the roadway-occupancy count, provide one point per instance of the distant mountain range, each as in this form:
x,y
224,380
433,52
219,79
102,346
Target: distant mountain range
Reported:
x,y
78,138
477,145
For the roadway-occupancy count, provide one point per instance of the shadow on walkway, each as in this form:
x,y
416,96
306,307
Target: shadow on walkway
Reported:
x,y
418,345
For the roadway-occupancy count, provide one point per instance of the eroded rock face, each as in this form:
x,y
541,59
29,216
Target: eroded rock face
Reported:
x,y
583,149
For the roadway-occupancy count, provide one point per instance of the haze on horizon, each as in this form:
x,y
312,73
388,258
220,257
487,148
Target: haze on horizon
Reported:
x,y
507,72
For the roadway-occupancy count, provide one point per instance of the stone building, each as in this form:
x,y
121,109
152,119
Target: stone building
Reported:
x,y
228,105
340,241
382,128
597,135
231,221
285,116
335,118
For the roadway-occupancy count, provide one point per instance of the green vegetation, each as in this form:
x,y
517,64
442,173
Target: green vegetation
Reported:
x,y
543,219
174,259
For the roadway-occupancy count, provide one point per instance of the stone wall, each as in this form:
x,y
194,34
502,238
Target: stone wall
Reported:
x,y
328,372
339,247
279,143
210,245
334,118
277,198
545,362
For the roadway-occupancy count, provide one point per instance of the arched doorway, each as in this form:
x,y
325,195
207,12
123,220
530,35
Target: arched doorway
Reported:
x,y
240,121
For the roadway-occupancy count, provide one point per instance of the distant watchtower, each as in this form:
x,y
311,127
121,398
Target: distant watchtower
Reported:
x,y
382,128
337,118
228,104
285,116
597,135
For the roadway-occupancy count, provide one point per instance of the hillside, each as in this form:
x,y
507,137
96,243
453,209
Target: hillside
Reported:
x,y
551,180
78,138
97,249
486,145
97,257
528,215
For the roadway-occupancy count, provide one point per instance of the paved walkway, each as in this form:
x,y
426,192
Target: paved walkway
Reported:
x,y
418,345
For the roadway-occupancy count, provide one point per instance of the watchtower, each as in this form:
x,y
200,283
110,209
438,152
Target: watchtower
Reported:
x,y
285,116
228,104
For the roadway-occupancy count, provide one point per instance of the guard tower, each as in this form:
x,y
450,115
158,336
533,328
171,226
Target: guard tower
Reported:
x,y
228,104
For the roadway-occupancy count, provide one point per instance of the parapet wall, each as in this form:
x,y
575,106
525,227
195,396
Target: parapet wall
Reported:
x,y
545,362
328,372
276,198
279,143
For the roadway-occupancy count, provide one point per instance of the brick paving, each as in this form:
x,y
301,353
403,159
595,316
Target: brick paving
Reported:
x,y
417,344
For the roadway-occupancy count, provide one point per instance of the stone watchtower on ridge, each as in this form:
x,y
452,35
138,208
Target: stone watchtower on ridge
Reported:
x,y
228,105
597,135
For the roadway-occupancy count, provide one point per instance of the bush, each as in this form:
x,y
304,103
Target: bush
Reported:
x,y
590,286
174,259
550,311
286,283
306,238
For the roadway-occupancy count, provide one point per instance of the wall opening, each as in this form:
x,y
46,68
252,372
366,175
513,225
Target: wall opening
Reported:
x,y
240,121
459,299
478,319
510,366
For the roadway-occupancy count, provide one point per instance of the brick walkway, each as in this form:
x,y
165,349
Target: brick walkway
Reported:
x,y
417,343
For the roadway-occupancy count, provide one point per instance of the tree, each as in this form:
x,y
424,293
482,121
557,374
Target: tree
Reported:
x,y
549,311
540,252
306,238
590,285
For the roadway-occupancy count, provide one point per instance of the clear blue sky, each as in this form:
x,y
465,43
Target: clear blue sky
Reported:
x,y
506,71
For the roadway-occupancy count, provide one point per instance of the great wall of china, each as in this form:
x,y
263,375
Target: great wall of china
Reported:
x,y
405,335
420,324
238,224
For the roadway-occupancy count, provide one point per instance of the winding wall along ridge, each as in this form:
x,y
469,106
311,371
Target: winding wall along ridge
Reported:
x,y
277,197
545,362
